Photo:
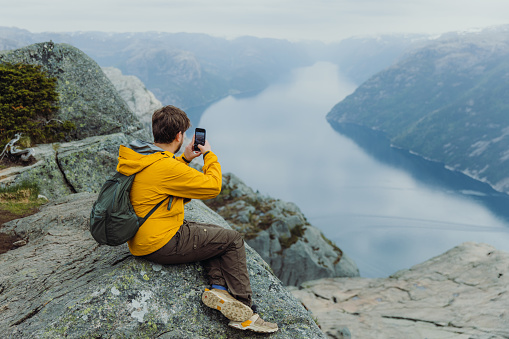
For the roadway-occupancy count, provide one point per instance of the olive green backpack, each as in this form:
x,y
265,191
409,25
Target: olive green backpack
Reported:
x,y
113,220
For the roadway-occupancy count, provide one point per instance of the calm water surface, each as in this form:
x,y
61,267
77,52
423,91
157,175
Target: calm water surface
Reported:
x,y
385,208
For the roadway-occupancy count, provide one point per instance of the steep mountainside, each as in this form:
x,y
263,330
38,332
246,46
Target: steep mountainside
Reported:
x,y
281,234
447,101
139,99
360,58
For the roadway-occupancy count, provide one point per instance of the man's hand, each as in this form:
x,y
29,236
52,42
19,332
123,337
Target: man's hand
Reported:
x,y
190,153
205,148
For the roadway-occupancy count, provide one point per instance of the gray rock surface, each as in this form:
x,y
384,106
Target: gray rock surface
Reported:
x,y
86,96
460,294
63,284
140,100
296,250
71,167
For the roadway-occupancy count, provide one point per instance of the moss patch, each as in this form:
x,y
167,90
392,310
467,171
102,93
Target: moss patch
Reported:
x,y
16,202
20,200
297,233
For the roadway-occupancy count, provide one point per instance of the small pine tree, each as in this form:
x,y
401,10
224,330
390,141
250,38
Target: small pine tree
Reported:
x,y
28,102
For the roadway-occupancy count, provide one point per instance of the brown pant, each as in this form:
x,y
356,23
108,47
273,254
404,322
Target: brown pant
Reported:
x,y
221,251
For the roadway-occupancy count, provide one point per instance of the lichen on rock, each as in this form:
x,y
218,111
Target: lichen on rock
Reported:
x,y
70,167
63,284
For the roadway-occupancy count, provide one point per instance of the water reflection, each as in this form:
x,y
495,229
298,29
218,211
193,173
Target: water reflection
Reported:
x,y
427,172
386,209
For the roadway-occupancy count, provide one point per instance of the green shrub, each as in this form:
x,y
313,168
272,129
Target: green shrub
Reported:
x,y
28,102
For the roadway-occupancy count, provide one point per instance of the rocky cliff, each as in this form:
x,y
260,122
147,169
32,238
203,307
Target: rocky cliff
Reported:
x,y
140,100
89,99
360,57
62,284
86,96
459,294
281,234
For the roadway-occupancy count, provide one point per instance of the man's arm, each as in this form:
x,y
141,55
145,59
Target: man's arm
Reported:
x,y
186,182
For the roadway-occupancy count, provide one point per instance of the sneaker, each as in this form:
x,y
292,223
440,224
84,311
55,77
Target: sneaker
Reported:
x,y
230,307
255,324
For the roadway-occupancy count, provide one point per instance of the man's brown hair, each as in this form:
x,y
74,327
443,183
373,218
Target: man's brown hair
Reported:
x,y
167,122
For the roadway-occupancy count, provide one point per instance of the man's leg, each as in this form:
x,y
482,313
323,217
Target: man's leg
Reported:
x,y
223,254
221,250
232,268
229,268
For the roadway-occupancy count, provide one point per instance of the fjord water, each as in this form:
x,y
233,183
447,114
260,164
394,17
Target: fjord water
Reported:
x,y
385,208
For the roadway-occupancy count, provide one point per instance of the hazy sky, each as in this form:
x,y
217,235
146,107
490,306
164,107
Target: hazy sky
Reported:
x,y
327,20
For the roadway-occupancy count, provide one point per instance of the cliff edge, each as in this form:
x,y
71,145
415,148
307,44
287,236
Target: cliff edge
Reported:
x,y
62,284
460,294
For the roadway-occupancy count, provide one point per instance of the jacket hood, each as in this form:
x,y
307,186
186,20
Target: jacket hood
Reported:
x,y
138,155
144,147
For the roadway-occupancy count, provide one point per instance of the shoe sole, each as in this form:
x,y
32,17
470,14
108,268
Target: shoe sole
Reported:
x,y
231,309
252,327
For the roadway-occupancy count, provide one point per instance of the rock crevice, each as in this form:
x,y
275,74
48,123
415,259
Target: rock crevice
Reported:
x,y
66,181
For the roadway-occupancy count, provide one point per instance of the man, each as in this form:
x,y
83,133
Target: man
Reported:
x,y
166,238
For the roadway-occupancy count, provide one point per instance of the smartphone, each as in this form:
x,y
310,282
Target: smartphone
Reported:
x,y
199,138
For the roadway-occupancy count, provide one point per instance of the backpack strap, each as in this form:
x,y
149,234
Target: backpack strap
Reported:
x,y
142,220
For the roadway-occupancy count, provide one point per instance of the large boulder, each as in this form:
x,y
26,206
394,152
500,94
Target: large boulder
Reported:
x,y
459,294
296,250
89,99
86,96
63,284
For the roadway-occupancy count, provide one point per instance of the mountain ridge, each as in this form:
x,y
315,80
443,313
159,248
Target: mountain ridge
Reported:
x,y
446,102
193,70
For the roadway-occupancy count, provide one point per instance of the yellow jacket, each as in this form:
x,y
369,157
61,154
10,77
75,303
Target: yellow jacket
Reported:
x,y
159,175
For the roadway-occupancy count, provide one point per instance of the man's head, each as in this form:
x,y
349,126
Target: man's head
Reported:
x,y
167,122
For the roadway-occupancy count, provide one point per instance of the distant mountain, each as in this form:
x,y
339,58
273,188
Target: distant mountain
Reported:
x,y
194,70
187,70
448,101
361,57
